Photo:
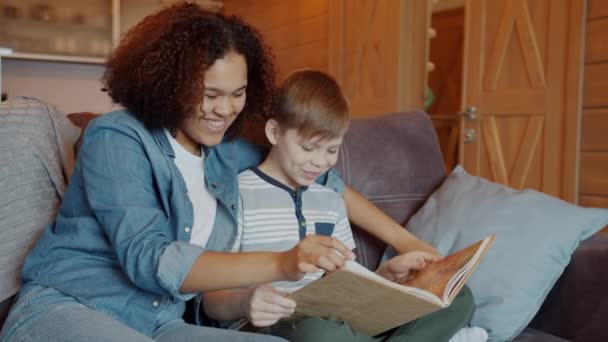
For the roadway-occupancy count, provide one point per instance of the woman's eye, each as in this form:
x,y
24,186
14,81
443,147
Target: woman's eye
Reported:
x,y
307,148
332,151
211,96
239,95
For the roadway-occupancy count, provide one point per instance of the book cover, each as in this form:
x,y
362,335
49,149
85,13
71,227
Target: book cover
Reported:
x,y
372,304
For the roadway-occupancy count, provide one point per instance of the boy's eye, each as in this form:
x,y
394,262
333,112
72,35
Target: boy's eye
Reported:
x,y
307,148
332,151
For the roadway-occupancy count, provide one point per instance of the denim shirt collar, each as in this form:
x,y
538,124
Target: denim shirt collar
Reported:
x,y
161,139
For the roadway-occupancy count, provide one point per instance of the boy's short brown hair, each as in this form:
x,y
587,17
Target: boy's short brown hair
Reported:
x,y
313,103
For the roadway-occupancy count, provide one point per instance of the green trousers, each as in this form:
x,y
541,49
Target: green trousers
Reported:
x,y
438,326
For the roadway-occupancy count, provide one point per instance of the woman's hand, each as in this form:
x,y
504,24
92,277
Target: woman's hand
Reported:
x,y
313,253
265,306
400,266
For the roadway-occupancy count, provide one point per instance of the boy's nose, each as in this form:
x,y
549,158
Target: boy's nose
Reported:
x,y
319,160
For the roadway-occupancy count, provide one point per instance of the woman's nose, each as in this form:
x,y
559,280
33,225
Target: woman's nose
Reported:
x,y
223,107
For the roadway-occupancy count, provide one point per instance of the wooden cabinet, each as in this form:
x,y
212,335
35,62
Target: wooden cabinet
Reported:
x,y
66,30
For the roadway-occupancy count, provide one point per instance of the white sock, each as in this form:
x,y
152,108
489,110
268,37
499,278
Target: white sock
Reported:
x,y
470,334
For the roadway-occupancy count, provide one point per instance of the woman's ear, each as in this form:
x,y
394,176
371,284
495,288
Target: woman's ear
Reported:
x,y
272,131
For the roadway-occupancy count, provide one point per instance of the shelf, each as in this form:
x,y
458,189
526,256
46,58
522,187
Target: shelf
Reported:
x,y
86,33
32,24
55,58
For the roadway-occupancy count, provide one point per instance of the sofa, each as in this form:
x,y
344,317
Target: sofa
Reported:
x,y
37,146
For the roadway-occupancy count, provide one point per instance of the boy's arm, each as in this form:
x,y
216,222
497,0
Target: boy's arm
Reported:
x,y
225,305
262,305
366,215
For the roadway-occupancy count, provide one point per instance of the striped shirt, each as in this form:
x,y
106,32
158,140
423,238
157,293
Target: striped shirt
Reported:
x,y
273,217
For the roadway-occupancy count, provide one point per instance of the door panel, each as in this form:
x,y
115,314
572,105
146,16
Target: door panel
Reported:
x,y
371,53
518,69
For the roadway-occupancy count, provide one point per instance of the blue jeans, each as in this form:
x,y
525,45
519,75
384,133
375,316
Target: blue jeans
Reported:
x,y
45,314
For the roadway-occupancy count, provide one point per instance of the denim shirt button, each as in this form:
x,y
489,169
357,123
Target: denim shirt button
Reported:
x,y
187,229
155,303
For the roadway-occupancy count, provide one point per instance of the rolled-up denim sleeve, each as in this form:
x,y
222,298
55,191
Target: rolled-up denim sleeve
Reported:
x,y
333,180
121,190
174,264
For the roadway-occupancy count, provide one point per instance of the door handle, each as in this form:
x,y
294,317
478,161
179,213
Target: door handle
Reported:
x,y
469,135
470,113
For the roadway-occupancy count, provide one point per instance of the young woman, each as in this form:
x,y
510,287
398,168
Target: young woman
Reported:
x,y
151,207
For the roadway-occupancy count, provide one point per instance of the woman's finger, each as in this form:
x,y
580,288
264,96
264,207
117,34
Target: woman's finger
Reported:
x,y
327,264
306,267
336,244
336,258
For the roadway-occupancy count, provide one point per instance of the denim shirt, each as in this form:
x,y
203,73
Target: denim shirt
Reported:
x,y
120,242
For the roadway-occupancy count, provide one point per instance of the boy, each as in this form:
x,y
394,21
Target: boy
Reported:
x,y
282,206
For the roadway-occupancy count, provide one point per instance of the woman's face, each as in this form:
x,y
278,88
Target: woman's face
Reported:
x,y
224,98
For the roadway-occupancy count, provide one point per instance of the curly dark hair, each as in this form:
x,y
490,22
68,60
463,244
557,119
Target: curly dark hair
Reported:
x,y
157,70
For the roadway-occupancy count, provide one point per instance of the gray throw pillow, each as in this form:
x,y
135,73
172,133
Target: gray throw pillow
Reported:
x,y
535,237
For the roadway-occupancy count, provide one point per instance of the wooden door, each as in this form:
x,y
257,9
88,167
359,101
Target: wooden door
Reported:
x,y
378,51
522,72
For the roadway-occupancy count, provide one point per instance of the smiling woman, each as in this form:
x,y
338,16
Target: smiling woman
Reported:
x,y
224,98
144,210
190,59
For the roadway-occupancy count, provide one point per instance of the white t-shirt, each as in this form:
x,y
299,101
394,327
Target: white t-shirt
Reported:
x,y
204,205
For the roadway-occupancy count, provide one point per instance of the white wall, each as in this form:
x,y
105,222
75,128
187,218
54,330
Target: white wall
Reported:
x,y
70,87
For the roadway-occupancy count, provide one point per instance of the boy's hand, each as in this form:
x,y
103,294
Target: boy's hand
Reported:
x,y
313,253
265,306
399,266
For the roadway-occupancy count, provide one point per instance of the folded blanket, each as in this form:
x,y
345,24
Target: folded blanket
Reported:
x,y
36,161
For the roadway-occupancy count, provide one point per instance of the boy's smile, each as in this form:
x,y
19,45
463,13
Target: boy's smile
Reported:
x,y
298,161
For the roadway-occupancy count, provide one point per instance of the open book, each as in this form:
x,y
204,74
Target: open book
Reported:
x,y
372,304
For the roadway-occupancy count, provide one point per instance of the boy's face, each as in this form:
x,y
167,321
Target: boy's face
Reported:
x,y
302,160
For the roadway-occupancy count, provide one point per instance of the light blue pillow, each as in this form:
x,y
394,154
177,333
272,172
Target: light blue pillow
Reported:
x,y
535,237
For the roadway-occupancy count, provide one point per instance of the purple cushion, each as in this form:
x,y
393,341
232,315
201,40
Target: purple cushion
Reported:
x,y
395,161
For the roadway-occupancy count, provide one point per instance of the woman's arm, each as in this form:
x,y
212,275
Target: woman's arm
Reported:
x,y
216,270
366,215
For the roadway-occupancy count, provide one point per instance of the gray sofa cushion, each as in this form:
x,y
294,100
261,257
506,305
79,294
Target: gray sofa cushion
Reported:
x,y
395,161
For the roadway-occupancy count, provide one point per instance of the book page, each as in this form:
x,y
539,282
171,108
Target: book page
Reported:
x,y
436,277
355,267
372,304
366,303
